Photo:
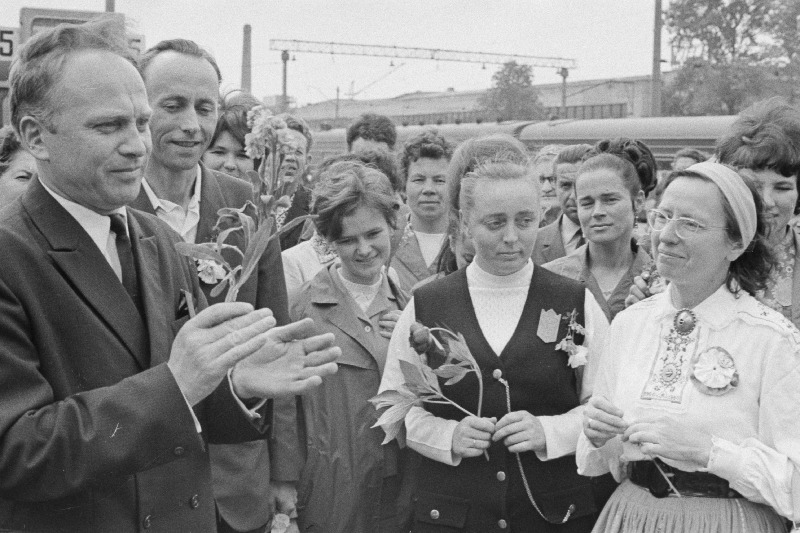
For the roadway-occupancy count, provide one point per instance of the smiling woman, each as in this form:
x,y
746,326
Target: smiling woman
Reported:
x,y
691,395
349,481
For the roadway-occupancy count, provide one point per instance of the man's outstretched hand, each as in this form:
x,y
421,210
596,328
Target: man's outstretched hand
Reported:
x,y
292,361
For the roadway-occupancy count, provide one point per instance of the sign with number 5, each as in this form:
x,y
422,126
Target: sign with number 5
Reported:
x,y
9,42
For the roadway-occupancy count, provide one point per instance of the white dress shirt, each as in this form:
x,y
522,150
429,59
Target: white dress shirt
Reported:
x,y
183,221
755,426
498,303
571,234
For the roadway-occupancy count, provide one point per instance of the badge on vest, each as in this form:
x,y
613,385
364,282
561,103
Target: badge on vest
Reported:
x,y
549,322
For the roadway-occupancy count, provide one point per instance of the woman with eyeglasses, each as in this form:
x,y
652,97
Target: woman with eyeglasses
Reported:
x,y
609,193
694,404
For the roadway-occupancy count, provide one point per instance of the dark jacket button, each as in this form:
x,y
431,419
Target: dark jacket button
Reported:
x,y
178,451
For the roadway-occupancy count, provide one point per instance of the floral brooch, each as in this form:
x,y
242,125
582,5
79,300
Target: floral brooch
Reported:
x,y
577,354
714,371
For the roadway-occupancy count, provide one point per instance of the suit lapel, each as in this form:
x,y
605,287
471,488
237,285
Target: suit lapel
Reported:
x,y
212,200
145,252
87,270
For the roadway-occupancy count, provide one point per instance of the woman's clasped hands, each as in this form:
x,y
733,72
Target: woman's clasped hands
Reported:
x,y
520,431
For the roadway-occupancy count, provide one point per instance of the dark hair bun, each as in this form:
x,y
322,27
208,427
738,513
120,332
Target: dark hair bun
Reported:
x,y
636,153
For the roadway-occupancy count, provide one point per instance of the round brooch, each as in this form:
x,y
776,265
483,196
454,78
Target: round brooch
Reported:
x,y
685,321
714,371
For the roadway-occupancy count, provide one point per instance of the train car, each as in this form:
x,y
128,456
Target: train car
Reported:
x,y
663,135
334,142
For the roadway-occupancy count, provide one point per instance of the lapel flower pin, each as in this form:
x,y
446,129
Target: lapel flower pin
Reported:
x,y
577,354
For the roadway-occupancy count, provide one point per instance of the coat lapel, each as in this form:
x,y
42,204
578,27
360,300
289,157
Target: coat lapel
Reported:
x,y
212,200
87,270
410,255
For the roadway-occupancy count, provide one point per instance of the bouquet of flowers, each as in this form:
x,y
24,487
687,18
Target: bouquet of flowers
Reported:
x,y
269,141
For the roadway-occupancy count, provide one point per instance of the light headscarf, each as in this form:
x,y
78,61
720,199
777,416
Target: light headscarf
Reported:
x,y
735,190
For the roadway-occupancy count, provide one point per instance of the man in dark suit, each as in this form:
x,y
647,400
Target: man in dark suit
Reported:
x,y
182,81
109,391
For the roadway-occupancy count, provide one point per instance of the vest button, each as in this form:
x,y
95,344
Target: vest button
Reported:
x,y
194,501
178,451
502,524
146,523
435,514
501,476
497,374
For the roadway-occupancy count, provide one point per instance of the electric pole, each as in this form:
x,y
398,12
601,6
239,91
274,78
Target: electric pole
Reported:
x,y
655,98
247,59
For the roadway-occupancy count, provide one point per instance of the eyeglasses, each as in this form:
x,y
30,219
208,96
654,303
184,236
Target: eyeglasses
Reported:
x,y
685,227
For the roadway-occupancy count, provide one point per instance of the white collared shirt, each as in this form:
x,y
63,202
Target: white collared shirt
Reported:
x,y
570,234
754,426
97,226
501,300
183,221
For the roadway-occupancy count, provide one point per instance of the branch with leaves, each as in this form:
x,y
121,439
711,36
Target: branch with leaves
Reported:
x,y
421,382
269,141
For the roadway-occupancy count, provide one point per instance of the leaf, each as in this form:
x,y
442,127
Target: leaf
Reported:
x,y
458,349
223,236
392,420
390,397
255,249
413,376
219,287
201,251
452,373
248,226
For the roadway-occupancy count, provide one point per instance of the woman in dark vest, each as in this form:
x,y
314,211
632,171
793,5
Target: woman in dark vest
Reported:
x,y
512,316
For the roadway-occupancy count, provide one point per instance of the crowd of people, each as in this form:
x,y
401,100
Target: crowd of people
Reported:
x,y
574,340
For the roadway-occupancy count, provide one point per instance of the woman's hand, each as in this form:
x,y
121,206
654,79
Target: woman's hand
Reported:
x,y
387,323
669,438
520,431
602,421
639,290
472,436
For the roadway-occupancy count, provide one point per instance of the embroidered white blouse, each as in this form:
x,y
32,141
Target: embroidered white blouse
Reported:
x,y
755,425
498,302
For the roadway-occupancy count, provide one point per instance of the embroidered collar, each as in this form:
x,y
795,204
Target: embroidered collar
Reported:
x,y
716,311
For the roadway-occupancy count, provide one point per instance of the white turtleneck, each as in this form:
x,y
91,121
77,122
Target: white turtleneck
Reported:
x,y
498,302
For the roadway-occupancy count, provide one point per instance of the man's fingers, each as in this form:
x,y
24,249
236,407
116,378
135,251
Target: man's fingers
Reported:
x,y
295,331
322,357
219,313
223,330
243,333
321,371
318,342
237,352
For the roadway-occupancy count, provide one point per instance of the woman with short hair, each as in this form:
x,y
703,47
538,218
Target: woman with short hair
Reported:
x,y
697,385
349,483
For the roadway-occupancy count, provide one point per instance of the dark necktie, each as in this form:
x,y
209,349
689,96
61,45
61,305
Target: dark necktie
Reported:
x,y
125,254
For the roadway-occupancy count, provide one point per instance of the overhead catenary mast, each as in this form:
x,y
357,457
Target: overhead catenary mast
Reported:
x,y
563,65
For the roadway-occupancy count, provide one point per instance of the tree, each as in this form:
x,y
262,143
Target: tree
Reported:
x,y
732,53
512,96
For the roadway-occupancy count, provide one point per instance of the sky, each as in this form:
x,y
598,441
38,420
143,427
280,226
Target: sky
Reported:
x,y
607,38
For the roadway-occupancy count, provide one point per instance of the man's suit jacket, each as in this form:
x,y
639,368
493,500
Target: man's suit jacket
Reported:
x,y
549,245
95,434
301,205
241,472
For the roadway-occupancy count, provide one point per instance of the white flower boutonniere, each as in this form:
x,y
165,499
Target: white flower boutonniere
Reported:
x,y
714,371
577,354
210,272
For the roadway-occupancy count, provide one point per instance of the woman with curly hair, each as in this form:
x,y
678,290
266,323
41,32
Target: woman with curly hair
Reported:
x,y
609,190
764,144
226,152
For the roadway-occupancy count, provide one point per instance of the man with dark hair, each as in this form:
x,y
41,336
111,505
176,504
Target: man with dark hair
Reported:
x,y
424,168
110,392
564,235
182,83
371,130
